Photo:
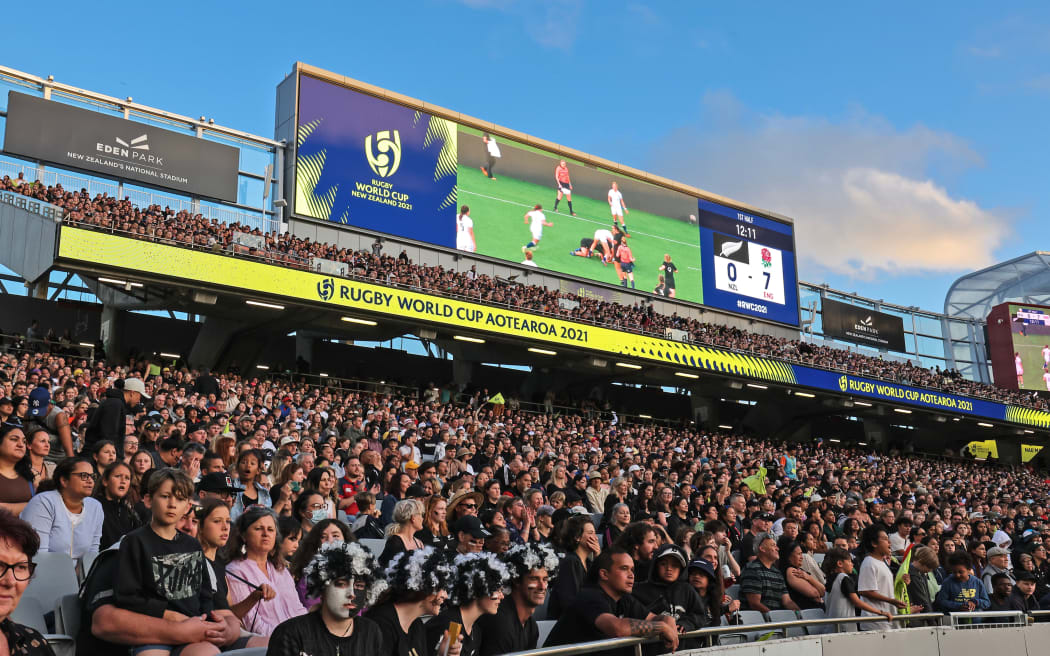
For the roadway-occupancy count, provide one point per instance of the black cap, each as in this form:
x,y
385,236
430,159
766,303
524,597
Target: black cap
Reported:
x,y
1024,576
472,525
416,491
217,482
764,516
6,401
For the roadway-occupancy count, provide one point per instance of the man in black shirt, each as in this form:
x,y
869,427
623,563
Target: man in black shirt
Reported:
x,y
640,541
607,609
513,628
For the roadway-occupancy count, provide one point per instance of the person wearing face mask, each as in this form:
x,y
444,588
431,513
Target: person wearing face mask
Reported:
x,y
478,590
343,575
418,582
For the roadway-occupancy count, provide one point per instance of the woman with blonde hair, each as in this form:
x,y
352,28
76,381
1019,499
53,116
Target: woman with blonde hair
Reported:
x,y
435,527
401,533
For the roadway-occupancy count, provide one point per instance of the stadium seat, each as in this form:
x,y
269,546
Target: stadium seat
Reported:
x,y
545,630
818,614
30,612
818,558
541,612
67,615
85,564
785,615
749,618
55,577
596,519
734,591
374,545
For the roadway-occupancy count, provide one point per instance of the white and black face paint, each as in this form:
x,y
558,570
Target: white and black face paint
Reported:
x,y
341,598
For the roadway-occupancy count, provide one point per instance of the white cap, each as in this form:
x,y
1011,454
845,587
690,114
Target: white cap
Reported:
x,y
135,385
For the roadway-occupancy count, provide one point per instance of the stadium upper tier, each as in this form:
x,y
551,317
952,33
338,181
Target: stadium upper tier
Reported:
x,y
167,226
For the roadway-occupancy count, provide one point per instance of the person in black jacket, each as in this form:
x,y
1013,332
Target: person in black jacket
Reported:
x,y
343,575
118,516
109,421
667,593
578,539
477,591
418,582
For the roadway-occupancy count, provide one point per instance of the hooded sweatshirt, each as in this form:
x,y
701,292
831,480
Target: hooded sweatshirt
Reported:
x,y
955,593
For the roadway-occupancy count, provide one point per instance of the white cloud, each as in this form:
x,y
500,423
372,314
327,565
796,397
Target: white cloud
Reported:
x,y
552,24
860,190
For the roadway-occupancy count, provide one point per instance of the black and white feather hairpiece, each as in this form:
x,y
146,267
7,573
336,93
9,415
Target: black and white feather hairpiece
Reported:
x,y
423,570
523,558
478,575
343,560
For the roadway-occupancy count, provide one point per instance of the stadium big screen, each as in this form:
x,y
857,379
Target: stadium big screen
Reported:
x,y
373,164
1019,346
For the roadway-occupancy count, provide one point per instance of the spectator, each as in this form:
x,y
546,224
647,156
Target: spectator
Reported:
x,y
1023,597
619,519
103,453
395,491
961,591
714,603
322,481
109,422
640,540
998,563
435,531
470,536
804,588
401,533
52,419
366,525
248,471
18,545
477,590
606,608
262,592
875,581
667,593
38,447
161,570
67,519
344,577
513,627
578,539
327,531
309,510
118,517
16,474
218,485
923,584
291,534
841,598
1000,597
418,582
761,583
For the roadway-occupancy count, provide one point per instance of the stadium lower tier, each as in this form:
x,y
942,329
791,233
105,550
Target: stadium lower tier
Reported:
x,y
207,269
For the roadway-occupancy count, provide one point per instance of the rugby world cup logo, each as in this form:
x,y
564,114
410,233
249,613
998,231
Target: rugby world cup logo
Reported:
x,y
843,383
384,155
326,289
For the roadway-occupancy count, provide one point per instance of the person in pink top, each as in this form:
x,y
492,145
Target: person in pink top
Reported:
x,y
262,591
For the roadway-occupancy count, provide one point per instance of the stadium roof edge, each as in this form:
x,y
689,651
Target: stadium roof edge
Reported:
x,y
145,109
1025,279
510,133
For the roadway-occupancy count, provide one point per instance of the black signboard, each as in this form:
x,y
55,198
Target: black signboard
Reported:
x,y
862,326
71,137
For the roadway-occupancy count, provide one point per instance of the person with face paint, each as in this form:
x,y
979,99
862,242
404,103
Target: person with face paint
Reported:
x,y
478,590
343,575
418,582
512,628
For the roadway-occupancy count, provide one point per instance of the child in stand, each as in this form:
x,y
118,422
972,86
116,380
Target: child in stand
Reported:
x,y
163,572
841,598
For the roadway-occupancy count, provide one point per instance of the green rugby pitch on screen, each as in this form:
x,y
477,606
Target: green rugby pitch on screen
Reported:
x,y
498,207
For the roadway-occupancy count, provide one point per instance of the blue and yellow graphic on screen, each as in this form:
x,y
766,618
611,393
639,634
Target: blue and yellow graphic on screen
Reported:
x,y
375,165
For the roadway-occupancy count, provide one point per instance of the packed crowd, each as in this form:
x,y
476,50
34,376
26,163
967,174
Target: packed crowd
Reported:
x,y
233,511
169,226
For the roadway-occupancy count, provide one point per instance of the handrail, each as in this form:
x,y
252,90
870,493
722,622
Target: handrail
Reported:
x,y
282,260
612,643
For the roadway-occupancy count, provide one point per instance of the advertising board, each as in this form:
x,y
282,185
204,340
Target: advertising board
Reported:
x,y
863,326
77,138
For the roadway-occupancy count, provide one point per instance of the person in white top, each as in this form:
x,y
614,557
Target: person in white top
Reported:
x,y
617,207
465,231
491,155
528,260
1046,379
536,220
604,240
1019,366
1046,357
875,581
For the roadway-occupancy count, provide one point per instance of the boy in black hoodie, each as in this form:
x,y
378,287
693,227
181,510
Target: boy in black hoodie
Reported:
x,y
668,593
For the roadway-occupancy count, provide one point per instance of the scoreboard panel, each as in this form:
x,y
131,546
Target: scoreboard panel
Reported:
x,y
748,262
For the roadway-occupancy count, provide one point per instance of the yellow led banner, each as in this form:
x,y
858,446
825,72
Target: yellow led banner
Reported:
x,y
984,449
207,268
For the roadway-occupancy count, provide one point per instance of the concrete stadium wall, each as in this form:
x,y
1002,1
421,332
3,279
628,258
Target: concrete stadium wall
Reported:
x,y
1030,641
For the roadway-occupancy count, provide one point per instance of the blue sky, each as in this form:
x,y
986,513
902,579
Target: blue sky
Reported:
x,y
907,140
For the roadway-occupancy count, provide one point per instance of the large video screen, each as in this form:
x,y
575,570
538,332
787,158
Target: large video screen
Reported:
x,y
376,165
1030,331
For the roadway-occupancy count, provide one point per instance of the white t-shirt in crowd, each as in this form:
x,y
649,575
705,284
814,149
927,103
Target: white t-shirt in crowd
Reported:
x,y
875,576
